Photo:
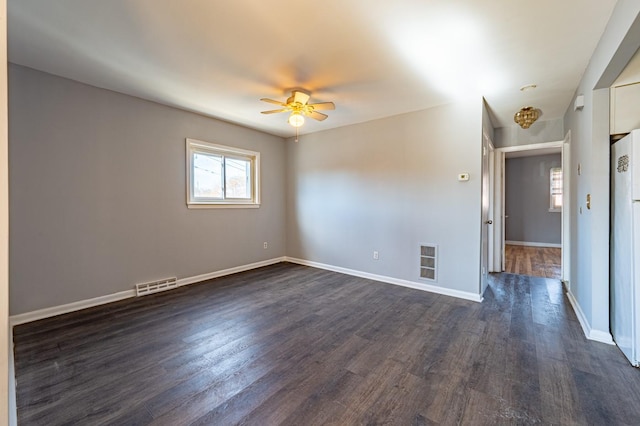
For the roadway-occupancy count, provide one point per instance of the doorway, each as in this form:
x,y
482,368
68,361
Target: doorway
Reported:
x,y
523,257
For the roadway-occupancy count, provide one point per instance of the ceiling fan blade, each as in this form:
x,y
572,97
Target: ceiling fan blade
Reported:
x,y
300,97
271,101
323,106
318,116
275,111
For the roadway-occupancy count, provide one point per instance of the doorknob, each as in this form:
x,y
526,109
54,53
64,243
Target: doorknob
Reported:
x,y
489,222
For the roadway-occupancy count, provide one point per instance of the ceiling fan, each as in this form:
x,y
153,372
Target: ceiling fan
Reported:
x,y
297,104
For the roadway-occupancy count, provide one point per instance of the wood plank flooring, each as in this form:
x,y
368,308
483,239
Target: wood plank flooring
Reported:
x,y
533,261
293,345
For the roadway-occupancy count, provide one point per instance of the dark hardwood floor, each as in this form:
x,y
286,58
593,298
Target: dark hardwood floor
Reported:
x,y
293,345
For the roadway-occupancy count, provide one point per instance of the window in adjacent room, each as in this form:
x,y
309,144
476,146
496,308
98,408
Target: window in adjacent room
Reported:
x,y
221,176
555,189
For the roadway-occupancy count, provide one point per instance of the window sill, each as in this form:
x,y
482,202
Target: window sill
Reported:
x,y
223,206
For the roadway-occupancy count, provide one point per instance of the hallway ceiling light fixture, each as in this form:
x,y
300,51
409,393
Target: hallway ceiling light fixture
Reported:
x,y
526,116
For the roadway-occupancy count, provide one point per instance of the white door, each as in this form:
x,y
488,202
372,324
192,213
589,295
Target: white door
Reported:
x,y
486,221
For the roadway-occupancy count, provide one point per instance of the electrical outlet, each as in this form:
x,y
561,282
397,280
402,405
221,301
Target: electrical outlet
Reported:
x,y
376,255
265,245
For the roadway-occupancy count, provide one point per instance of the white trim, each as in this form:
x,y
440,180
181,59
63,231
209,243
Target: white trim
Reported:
x,y
69,307
531,146
235,270
566,209
193,146
13,406
532,244
595,335
492,208
223,206
500,220
389,280
101,300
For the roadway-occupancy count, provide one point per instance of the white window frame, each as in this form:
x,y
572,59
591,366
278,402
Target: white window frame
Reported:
x,y
194,146
552,172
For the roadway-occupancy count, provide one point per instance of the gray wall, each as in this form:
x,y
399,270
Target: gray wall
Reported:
x,y
389,185
97,194
589,127
527,200
539,132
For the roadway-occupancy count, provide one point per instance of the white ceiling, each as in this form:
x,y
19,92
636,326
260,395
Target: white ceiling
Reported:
x,y
372,59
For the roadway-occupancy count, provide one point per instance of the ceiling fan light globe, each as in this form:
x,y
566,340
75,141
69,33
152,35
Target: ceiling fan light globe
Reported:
x,y
296,119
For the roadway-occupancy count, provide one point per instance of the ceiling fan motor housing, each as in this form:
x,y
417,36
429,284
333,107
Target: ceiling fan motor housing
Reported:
x,y
297,105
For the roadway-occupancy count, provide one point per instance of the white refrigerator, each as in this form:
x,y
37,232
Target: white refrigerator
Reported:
x,y
625,245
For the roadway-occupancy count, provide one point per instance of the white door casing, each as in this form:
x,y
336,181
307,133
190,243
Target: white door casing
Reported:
x,y
501,218
566,210
492,195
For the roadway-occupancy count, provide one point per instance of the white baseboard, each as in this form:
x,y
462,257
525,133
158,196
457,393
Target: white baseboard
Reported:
x,y
222,273
389,280
595,335
101,300
69,307
13,406
532,244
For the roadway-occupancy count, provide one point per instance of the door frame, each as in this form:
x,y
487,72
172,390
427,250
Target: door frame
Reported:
x,y
498,233
566,210
492,168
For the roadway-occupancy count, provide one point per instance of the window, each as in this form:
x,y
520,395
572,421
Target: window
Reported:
x,y
221,176
555,189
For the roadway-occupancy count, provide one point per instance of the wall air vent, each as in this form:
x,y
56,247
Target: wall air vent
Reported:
x,y
156,286
429,262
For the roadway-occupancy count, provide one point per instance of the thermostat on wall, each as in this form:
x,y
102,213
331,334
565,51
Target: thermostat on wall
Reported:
x,y
463,177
